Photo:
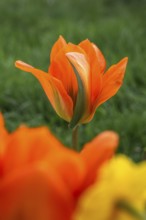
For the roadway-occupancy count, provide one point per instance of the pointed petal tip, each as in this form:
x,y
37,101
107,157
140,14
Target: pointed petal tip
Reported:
x,y
17,63
20,63
23,66
98,151
107,140
123,64
85,41
61,37
58,45
124,61
110,137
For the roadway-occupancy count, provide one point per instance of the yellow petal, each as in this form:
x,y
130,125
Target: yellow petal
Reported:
x,y
120,180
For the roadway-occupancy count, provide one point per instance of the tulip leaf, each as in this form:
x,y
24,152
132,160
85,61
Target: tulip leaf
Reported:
x,y
80,101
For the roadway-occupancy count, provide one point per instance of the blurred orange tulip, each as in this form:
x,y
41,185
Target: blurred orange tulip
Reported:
x,y
40,179
75,83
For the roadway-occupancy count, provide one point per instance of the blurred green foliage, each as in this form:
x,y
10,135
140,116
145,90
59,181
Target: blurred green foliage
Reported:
x,y
27,32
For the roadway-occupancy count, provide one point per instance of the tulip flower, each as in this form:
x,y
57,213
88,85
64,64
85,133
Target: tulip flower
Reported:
x,y
118,194
76,82
40,179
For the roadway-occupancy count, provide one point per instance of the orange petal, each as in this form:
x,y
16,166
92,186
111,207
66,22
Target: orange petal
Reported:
x,y
3,138
36,147
3,131
94,54
59,44
61,69
1,121
81,64
39,170
95,58
112,81
41,145
82,69
70,167
54,90
100,58
35,193
96,152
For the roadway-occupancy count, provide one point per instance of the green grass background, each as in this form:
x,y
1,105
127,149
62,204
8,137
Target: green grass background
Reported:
x,y
29,28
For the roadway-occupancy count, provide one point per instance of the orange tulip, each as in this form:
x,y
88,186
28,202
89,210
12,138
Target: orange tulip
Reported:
x,y
76,83
40,179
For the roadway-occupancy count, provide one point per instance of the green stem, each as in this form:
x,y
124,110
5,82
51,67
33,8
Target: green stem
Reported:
x,y
144,154
121,205
75,138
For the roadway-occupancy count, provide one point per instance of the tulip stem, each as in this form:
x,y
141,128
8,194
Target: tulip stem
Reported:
x,y
75,138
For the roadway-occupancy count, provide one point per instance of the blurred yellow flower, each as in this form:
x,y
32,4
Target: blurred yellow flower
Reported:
x,y
120,194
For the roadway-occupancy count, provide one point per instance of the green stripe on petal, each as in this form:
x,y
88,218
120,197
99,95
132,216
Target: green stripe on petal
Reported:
x,y
80,105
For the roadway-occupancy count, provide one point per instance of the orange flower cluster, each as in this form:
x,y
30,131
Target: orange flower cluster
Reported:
x,y
40,179
76,82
